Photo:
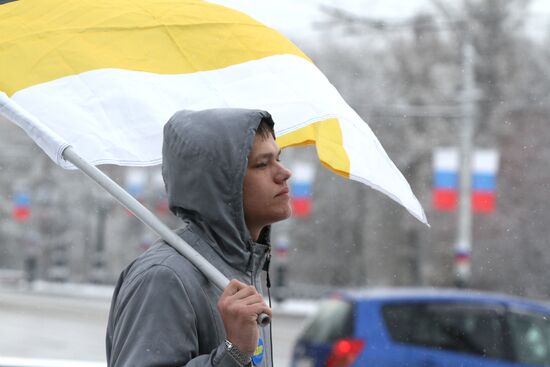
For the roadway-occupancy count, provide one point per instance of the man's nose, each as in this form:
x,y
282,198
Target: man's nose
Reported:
x,y
283,174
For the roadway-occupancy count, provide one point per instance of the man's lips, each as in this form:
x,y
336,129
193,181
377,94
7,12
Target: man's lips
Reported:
x,y
283,192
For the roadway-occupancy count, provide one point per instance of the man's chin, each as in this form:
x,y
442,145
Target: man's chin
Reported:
x,y
287,213
280,214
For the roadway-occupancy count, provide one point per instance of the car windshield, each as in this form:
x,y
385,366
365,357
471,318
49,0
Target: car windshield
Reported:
x,y
332,321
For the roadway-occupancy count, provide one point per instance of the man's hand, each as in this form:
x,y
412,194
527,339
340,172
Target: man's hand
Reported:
x,y
239,306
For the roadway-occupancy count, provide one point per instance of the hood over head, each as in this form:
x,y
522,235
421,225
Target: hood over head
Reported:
x,y
205,157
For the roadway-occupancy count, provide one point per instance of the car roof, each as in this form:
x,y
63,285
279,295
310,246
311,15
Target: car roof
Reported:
x,y
436,294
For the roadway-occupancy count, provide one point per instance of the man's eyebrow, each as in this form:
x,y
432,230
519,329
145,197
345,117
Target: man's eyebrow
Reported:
x,y
267,155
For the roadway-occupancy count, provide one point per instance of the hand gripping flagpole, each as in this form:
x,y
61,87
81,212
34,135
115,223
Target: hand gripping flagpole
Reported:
x,y
47,139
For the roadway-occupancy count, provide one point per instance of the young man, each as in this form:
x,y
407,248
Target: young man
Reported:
x,y
224,179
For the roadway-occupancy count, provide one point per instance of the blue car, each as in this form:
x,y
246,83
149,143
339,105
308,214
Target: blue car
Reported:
x,y
425,328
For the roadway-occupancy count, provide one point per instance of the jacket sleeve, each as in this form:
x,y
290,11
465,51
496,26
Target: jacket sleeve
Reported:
x,y
153,323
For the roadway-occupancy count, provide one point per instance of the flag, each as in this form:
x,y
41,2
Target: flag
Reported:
x,y
462,259
135,182
483,179
104,76
21,210
301,189
445,179
485,166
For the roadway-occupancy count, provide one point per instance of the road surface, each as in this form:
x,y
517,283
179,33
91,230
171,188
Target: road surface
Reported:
x,y
38,325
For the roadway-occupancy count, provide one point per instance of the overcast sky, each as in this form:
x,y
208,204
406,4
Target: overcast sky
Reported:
x,y
294,17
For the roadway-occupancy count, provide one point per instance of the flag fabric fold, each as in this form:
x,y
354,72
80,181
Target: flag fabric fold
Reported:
x,y
104,77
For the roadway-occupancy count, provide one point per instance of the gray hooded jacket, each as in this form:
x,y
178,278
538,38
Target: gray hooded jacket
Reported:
x,y
164,311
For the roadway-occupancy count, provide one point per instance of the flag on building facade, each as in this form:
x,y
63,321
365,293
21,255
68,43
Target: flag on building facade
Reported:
x,y
104,76
21,210
301,189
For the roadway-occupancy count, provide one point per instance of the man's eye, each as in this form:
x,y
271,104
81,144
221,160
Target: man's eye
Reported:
x,y
261,164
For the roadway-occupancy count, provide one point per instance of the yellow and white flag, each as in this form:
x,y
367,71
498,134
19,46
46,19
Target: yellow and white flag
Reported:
x,y
103,76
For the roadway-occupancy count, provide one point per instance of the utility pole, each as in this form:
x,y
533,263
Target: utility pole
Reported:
x,y
463,246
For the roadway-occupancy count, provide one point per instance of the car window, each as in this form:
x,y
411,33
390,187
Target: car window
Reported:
x,y
332,321
530,338
455,327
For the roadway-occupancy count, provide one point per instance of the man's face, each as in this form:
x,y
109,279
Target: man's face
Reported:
x,y
266,197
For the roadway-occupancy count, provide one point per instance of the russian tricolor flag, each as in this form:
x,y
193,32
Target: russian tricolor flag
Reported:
x,y
485,166
446,179
21,206
301,189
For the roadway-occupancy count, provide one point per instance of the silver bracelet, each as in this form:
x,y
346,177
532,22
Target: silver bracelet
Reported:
x,y
241,358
